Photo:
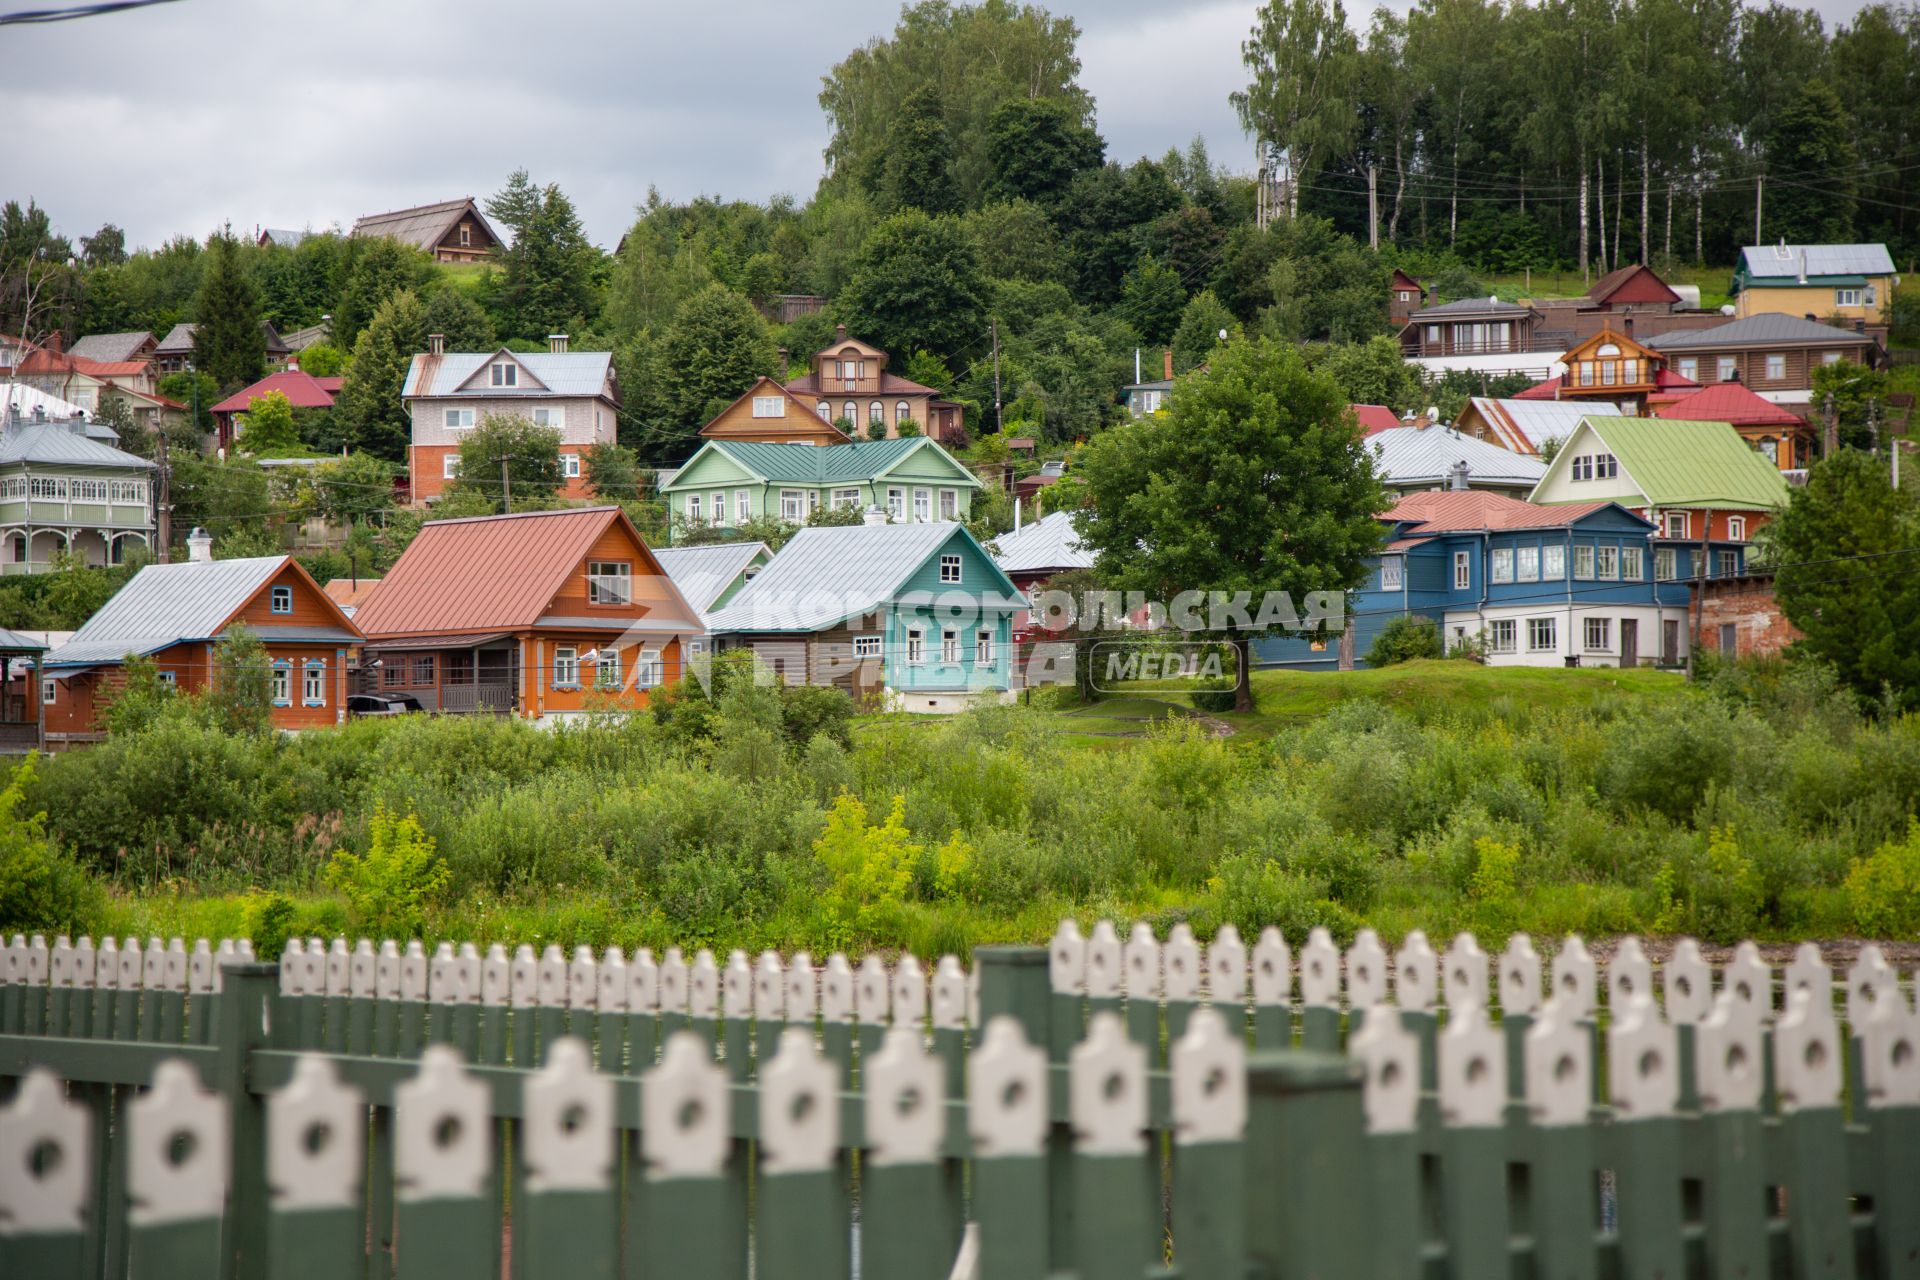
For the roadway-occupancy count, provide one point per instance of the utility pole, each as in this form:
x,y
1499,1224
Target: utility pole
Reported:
x,y
506,488
1759,190
163,500
1830,437
1373,205
1873,421
994,325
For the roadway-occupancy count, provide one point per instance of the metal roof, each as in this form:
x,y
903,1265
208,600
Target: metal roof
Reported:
x,y
302,390
110,348
1689,464
165,604
56,444
1470,307
563,373
1770,263
704,573
19,642
826,575
826,464
179,339
1730,402
1049,543
25,400
1524,426
1413,455
1771,327
1462,510
282,236
423,226
490,573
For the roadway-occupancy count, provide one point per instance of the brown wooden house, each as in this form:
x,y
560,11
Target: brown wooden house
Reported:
x,y
1614,368
1405,295
1772,355
770,414
850,381
1469,327
451,231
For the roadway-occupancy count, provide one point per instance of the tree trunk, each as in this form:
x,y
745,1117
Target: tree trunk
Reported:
x,y
1242,672
1373,206
1699,217
1668,251
1453,201
1646,198
1600,204
1619,203
1586,233
1400,190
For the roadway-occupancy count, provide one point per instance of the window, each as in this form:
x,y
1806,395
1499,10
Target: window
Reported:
x,y
1605,466
1608,560
46,488
767,407
1501,569
1541,635
1597,635
922,506
1630,371
1633,566
983,649
693,508
793,505
1663,564
1688,367
877,413
916,645
1607,370
1831,357
570,467
949,504
282,600
949,569
466,235
1433,334
902,412
647,669
1776,368
49,690
847,498
897,505
950,648
549,417
1583,467
1726,564
606,668
850,411
1553,563
609,582
742,505
1583,563
450,466
1736,528
1406,295
1726,369
423,670
170,679
313,684
505,374
1502,635
282,686
393,674
457,419
131,491
1527,564
1462,571
88,490
566,667
825,410
1676,523
1846,297
866,646
1391,573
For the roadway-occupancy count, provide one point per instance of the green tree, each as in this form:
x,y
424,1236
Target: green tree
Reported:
x,y
1037,147
613,472
228,343
1253,482
1202,321
1304,60
1813,137
369,403
389,889
1015,240
218,495
530,454
197,390
42,888
1836,546
248,542
914,167
1372,372
354,488
324,360
382,269
267,428
711,353
1855,394
452,313
239,698
917,283
547,283
1152,300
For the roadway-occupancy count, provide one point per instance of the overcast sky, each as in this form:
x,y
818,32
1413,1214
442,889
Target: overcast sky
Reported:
x,y
261,113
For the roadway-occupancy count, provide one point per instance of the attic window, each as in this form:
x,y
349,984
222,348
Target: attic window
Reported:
x,y
506,374
949,568
466,235
767,407
282,600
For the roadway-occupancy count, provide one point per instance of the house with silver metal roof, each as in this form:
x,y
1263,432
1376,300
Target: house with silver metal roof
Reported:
x,y
913,617
175,615
1409,459
448,393
62,491
1850,282
713,573
1527,426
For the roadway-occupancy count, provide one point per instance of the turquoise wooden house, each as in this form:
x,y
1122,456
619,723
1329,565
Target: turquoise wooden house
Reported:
x,y
728,482
910,617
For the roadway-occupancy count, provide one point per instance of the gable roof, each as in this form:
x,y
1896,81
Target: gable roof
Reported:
x,y
1685,464
349,593
1664,379
562,373
285,238
1048,543
56,444
816,423
824,464
1770,327
425,225
1375,418
1414,455
1730,402
704,573
1525,425
496,573
110,348
1462,308
1777,264
1474,510
823,576
302,390
166,604
179,339
1612,282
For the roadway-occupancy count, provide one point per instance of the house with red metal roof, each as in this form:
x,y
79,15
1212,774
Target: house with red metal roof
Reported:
x,y
1786,439
1612,367
545,615
302,390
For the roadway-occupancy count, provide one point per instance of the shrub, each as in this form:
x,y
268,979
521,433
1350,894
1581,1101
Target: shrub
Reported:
x,y
388,889
870,867
1494,890
271,920
1253,891
1884,889
42,889
1404,639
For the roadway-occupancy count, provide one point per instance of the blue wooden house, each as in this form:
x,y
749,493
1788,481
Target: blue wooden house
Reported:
x,y
1576,584
913,617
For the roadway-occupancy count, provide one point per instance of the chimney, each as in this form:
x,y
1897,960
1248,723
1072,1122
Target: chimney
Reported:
x,y
1803,266
1626,326
199,546
557,344
1459,480
839,333
1169,364
437,344
55,341
781,372
874,514
293,364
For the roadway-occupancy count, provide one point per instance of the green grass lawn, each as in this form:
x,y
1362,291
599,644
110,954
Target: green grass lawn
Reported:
x,y
1713,282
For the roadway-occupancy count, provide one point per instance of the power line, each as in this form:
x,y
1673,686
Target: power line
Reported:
x,y
25,17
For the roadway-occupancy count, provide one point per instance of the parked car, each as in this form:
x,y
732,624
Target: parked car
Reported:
x,y
381,704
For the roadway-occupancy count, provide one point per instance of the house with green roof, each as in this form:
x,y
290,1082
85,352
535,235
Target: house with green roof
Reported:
x,y
912,478
912,617
1698,482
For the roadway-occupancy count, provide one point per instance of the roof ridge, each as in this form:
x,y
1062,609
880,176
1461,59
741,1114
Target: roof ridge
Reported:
x,y
523,515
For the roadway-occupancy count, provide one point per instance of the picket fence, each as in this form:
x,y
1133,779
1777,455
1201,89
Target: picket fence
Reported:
x,y
1096,1109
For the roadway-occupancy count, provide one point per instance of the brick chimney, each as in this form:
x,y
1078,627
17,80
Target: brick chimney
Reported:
x,y
839,333
55,341
293,364
557,344
1169,363
437,344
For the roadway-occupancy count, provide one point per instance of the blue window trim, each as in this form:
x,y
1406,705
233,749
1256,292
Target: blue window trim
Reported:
x,y
279,665
313,664
280,600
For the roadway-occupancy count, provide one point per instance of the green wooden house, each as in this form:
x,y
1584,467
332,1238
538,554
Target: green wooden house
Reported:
x,y
63,490
911,617
912,479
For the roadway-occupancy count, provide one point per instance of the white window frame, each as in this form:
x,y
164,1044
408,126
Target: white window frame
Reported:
x,y
896,504
1582,466
950,570
1526,564
313,682
1553,562
1666,564
742,505
1736,528
606,667
1462,571
1500,566
1675,523
171,679
1776,367
949,647
847,498
1633,565
450,466
648,669
570,465
1688,367
549,417
1606,563
793,505
1583,563
1726,368
950,504
1392,573
612,579
1605,466
825,410
876,414
1539,629
916,646
769,407
693,509
49,691
901,412
566,667
1846,297
867,646
1726,564
983,649
923,506
503,373
1596,635
1503,636
280,688
458,419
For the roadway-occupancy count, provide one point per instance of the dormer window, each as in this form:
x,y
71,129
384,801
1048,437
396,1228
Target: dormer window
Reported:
x,y
505,374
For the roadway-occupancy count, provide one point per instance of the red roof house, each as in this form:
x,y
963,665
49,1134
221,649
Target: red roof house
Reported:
x,y
1779,433
1375,417
302,390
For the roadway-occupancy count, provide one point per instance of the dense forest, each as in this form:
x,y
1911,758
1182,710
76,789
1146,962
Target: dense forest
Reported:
x,y
970,209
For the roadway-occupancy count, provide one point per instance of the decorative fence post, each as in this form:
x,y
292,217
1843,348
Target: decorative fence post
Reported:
x,y
46,1159
249,1013
448,1215
316,1128
1473,1103
1416,985
1227,979
176,1175
1558,1066
1366,962
906,1228
1116,1211
1140,977
1320,992
689,1220
1389,1054
1007,1120
1890,1070
1643,1076
1727,1078
1272,969
1210,1159
802,1227
569,1224
1806,1073
1180,973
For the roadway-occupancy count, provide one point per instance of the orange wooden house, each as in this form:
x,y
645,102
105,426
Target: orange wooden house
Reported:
x,y
768,413
175,616
544,615
1612,367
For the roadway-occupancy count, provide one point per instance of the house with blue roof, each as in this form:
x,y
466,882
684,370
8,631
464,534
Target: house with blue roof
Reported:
x,y
729,482
1574,584
912,617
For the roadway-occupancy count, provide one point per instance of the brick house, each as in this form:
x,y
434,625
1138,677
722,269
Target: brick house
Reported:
x,y
1740,618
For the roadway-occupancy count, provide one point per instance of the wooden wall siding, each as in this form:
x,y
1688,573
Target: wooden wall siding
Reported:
x,y
587,418
547,699
82,704
797,424
830,659
652,589
786,658
311,608
1751,364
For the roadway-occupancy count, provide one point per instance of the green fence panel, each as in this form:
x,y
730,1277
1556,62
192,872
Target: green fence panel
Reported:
x,y
1389,1056
178,1156
690,1223
568,1223
1807,1074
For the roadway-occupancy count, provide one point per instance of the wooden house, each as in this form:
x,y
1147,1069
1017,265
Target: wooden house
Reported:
x,y
65,490
1781,436
769,413
1469,327
175,614
1405,295
1771,355
544,615
1613,368
729,482
302,390
173,353
849,382
1853,282
1526,426
450,231
1036,553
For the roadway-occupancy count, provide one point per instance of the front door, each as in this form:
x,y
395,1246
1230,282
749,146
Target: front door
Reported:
x,y
1670,649
1629,642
